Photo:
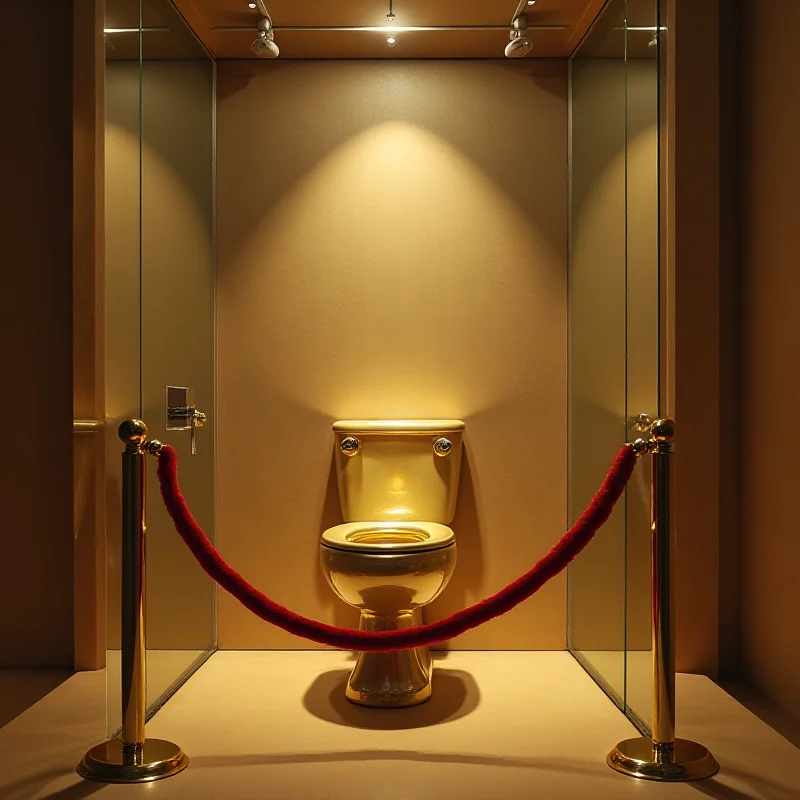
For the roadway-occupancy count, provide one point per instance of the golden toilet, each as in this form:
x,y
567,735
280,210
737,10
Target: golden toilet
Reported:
x,y
398,485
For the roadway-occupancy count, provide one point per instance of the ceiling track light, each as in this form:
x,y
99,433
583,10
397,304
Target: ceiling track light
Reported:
x,y
519,44
264,45
391,39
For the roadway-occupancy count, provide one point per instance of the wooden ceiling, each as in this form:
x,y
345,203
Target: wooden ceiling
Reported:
x,y
216,21
164,34
227,28
625,29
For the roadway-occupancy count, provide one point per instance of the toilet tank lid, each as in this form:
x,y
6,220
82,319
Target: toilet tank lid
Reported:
x,y
398,425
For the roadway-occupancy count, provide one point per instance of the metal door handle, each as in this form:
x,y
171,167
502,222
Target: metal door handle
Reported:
x,y
183,415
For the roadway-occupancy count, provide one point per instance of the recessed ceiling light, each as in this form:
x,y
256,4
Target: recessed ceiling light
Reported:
x,y
251,5
531,2
391,41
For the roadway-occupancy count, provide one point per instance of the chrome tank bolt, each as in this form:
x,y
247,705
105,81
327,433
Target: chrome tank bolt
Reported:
x,y
442,447
350,446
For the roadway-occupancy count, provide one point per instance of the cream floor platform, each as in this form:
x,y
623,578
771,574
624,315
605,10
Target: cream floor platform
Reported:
x,y
500,725
164,668
21,688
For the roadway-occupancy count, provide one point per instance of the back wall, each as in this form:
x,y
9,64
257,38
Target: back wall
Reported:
x,y
392,243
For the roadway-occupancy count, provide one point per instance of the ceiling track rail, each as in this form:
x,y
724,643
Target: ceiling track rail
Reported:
x,y
262,9
521,6
386,28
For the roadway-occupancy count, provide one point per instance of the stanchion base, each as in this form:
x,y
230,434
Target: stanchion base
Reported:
x,y
109,764
638,758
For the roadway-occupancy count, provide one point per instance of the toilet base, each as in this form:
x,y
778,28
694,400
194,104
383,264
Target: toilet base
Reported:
x,y
397,679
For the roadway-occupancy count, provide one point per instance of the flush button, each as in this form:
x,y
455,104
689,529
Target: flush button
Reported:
x,y
350,446
442,447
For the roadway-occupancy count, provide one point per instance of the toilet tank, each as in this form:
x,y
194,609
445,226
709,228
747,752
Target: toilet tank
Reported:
x,y
396,470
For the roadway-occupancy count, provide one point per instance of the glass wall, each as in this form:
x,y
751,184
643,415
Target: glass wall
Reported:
x,y
160,313
614,344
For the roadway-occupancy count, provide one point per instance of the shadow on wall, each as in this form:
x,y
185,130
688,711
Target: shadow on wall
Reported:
x,y
402,93
455,694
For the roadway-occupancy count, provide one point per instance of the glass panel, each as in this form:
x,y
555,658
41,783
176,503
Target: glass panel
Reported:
x,y
597,340
122,256
642,335
177,296
614,325
159,313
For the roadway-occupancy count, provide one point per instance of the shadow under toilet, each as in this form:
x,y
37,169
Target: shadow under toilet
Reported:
x,y
456,695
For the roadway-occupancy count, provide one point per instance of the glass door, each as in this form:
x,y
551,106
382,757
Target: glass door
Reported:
x,y
614,346
642,133
160,313
123,79
177,312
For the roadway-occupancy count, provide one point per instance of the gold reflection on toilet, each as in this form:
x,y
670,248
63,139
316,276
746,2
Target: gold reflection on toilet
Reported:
x,y
390,559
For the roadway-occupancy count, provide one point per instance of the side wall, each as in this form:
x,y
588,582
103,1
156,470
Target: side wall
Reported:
x,y
770,345
36,573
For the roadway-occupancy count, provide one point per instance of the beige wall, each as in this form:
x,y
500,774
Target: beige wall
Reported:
x,y
177,318
392,243
36,581
770,344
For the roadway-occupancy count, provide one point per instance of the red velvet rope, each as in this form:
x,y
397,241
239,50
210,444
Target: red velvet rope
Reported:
x,y
573,541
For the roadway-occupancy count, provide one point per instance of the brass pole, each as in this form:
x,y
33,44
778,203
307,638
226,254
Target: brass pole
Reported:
x,y
133,758
662,757
134,687
663,618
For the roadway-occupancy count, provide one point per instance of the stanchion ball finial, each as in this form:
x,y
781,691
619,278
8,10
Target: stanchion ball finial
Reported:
x,y
663,431
133,431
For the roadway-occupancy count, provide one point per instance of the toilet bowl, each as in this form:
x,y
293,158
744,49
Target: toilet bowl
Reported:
x,y
394,554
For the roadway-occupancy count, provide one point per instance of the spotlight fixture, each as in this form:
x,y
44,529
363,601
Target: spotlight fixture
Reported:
x,y
264,45
520,45
391,39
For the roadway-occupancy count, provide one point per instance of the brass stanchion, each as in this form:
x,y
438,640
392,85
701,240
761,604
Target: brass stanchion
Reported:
x,y
132,758
662,757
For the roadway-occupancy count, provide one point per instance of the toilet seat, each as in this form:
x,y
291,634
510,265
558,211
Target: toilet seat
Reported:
x,y
388,537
